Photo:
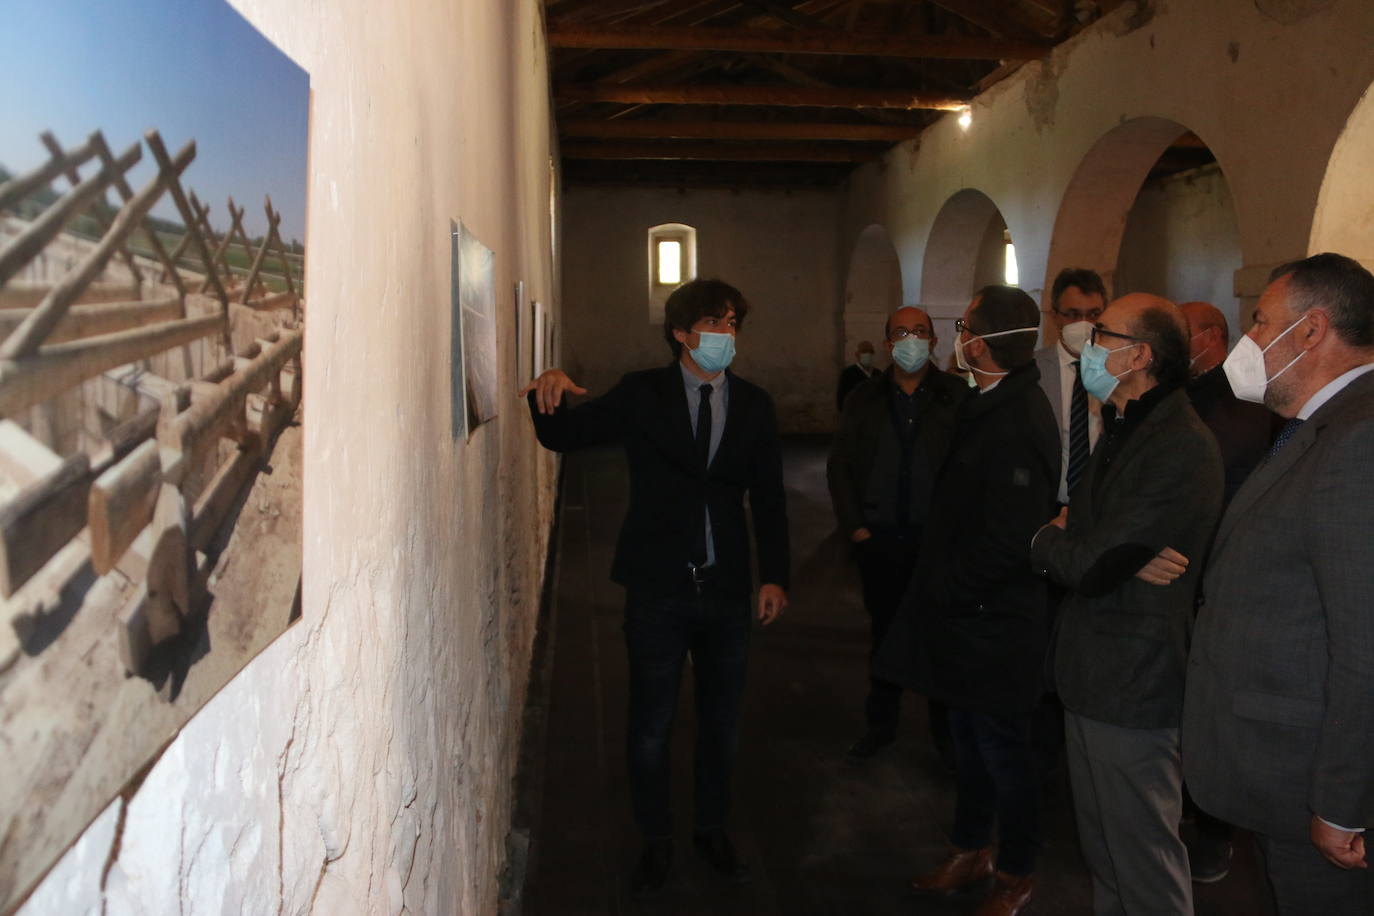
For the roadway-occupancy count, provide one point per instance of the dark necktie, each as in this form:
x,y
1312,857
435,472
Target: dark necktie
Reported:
x,y
1078,429
704,426
1285,434
704,452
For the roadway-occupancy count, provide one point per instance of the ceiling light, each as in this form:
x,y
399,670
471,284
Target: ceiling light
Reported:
x,y
965,118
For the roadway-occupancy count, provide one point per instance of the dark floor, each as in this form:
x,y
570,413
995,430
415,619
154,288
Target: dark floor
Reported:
x,y
823,836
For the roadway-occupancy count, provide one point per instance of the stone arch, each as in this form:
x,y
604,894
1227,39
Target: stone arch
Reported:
x,y
872,290
1094,212
1344,218
963,254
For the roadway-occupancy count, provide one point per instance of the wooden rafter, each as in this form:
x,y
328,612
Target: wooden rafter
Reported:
x,y
716,152
648,129
782,96
793,41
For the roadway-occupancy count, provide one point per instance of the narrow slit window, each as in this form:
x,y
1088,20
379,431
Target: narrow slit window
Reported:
x,y
669,261
1010,272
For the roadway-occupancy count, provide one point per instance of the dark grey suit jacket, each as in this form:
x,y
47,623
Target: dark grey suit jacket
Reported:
x,y
1121,644
1279,719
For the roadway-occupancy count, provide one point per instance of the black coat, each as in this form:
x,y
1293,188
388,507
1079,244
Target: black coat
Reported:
x,y
850,378
1121,643
647,412
866,413
974,623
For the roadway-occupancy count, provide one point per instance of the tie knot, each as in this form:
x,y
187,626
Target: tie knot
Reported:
x,y
706,390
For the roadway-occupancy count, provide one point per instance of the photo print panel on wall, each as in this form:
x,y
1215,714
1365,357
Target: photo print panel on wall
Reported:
x,y
150,485
458,383
477,296
518,334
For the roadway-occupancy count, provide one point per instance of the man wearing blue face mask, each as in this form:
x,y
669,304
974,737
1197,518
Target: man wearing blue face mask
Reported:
x,y
1145,507
698,439
893,435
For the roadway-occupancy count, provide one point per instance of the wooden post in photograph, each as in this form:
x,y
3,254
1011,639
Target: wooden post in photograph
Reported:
x,y
126,193
74,178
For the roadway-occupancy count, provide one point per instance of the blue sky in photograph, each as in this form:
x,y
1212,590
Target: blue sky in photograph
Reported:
x,y
192,69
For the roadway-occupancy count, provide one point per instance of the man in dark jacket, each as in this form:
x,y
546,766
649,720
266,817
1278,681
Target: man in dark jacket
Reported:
x,y
697,439
856,373
978,609
1129,548
892,438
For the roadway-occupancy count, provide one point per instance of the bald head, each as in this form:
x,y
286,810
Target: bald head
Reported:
x,y
911,318
1158,323
1204,316
1208,336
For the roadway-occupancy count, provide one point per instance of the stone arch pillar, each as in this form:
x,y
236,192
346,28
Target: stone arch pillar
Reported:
x,y
872,290
959,260
1344,218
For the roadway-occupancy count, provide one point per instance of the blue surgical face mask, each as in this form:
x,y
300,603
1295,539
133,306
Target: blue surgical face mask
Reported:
x,y
1092,369
714,351
911,353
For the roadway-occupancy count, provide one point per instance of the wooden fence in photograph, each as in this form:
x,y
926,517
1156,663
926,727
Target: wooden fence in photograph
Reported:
x,y
179,390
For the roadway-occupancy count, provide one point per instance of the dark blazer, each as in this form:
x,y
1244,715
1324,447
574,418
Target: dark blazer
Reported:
x,y
1279,719
647,412
1121,643
973,623
1244,431
855,446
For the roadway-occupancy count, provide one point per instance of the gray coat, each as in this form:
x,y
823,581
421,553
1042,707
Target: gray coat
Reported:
x,y
1279,719
1120,647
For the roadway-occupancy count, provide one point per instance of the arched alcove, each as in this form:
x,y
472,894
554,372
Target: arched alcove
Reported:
x,y
1344,218
1150,209
872,290
966,251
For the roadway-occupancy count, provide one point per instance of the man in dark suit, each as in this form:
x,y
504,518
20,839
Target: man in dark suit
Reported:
x,y
1077,299
698,440
1244,430
1147,504
856,373
1278,731
893,436
977,613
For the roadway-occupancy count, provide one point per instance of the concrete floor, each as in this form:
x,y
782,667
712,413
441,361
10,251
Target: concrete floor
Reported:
x,y
823,836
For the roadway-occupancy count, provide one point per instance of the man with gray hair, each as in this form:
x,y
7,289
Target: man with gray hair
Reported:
x,y
1278,726
1146,505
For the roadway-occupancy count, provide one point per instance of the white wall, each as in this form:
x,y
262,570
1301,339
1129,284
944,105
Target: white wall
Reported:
x,y
1182,243
1269,98
779,249
363,762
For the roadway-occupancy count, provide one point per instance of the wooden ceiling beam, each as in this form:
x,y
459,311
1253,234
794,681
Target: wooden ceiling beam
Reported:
x,y
715,152
782,96
998,23
793,41
733,130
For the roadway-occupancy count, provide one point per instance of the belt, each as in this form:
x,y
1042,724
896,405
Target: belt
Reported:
x,y
702,578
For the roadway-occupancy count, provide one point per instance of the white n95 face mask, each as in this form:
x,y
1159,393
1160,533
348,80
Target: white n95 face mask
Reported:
x,y
1244,367
1075,336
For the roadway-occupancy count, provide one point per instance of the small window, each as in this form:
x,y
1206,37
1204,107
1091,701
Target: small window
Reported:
x,y
1010,271
669,261
672,262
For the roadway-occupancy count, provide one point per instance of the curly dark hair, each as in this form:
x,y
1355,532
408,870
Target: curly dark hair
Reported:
x,y
693,301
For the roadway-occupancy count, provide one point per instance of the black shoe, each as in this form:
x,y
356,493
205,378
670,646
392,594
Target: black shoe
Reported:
x,y
651,874
873,741
715,847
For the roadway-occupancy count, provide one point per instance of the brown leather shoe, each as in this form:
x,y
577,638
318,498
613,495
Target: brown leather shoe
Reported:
x,y
961,869
1009,895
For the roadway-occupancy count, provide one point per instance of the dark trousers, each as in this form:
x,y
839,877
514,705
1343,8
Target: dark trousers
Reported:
x,y
997,783
660,635
885,566
1306,884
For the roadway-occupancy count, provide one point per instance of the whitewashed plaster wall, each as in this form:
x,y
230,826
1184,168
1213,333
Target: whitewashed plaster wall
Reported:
x,y
779,249
363,763
1181,242
1269,92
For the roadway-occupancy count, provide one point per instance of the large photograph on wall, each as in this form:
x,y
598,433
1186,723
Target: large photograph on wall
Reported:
x,y
152,313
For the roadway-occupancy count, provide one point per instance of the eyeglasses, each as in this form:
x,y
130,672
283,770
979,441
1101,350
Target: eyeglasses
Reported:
x,y
961,325
1093,335
900,333
1079,314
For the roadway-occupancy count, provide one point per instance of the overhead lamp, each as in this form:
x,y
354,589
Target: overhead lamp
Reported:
x,y
965,117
